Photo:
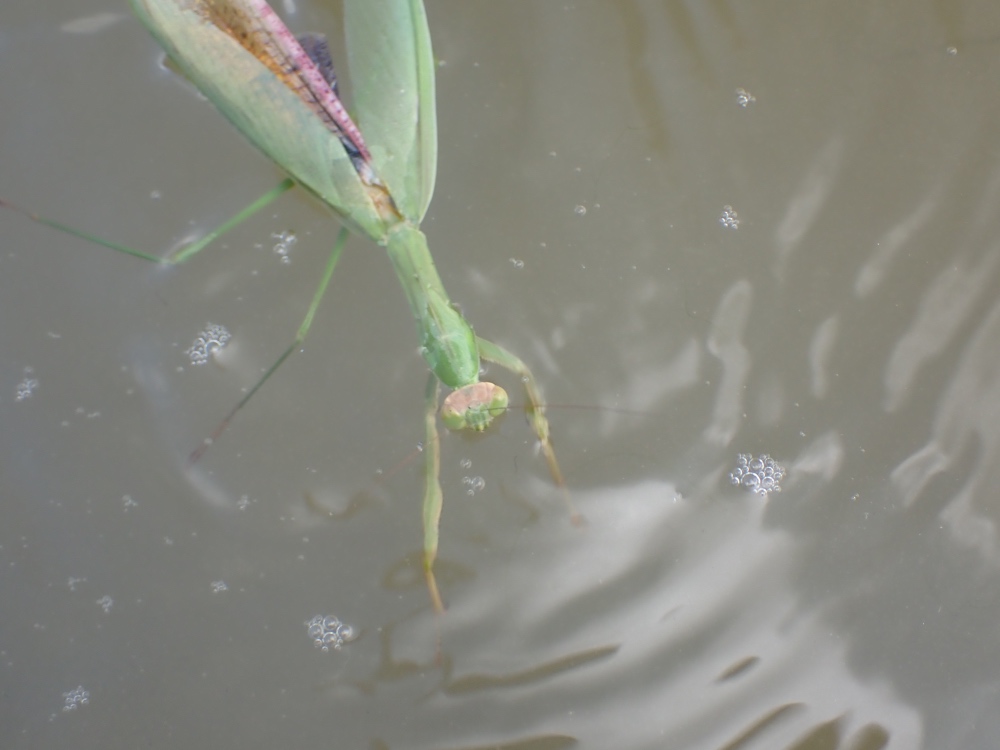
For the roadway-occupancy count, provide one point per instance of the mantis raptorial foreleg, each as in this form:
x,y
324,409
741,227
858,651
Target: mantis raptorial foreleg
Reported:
x,y
536,413
433,497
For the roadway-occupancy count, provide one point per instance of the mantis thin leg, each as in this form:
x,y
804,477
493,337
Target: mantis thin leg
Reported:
x,y
433,497
536,413
184,253
300,335
181,255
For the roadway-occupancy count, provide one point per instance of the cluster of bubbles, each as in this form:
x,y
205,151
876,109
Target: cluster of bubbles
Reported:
x,y
285,241
219,586
75,698
106,603
762,474
729,219
744,98
28,385
328,632
473,485
212,338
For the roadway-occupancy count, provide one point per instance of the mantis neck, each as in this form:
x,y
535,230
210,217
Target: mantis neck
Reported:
x,y
446,338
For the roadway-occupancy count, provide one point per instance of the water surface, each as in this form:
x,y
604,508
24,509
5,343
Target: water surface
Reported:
x,y
711,229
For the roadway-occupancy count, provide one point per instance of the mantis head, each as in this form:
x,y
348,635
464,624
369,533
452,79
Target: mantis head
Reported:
x,y
473,406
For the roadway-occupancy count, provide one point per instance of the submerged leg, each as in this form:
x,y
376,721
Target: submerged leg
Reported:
x,y
181,255
433,498
536,413
331,263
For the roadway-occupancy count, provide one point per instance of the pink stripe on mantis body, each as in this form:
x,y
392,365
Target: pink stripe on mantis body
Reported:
x,y
314,80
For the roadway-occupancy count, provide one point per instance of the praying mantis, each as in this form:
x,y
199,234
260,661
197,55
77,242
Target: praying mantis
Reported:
x,y
378,176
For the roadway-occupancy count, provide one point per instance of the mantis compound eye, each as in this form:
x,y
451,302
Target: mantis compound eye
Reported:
x,y
473,406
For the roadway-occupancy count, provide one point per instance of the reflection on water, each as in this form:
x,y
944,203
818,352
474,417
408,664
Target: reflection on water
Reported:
x,y
965,422
843,326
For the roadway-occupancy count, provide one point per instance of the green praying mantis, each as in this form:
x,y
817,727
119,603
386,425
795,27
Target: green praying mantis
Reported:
x,y
281,93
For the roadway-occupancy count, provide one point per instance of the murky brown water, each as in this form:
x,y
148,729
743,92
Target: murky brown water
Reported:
x,y
848,326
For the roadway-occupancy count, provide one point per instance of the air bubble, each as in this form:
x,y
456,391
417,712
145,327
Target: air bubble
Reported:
x,y
213,338
744,98
761,474
473,485
286,240
331,623
465,463
580,210
328,632
75,698
729,219
28,385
